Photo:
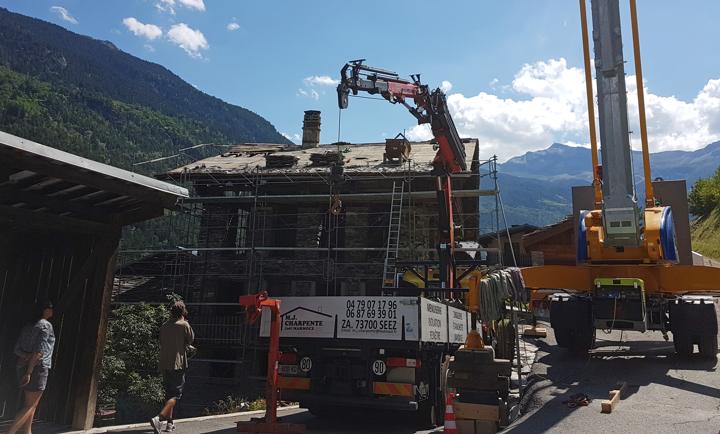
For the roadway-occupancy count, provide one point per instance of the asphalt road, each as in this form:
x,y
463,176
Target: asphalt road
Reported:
x,y
665,394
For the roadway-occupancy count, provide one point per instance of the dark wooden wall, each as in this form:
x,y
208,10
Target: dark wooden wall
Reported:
x,y
75,271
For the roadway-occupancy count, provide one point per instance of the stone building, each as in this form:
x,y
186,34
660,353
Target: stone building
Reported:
x,y
317,223
298,220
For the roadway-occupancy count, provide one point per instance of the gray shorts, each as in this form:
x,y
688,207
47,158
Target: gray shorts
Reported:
x,y
174,382
38,378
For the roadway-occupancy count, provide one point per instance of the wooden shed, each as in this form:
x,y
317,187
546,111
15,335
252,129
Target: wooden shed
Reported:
x,y
61,218
551,245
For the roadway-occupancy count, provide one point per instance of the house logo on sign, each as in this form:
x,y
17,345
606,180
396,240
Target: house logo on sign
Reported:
x,y
302,319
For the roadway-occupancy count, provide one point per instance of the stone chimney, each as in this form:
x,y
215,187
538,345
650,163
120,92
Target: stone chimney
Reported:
x,y
311,129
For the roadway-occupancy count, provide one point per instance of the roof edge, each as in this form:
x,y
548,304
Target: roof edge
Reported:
x,y
35,149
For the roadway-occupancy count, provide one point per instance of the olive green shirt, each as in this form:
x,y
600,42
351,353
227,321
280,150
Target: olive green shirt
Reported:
x,y
175,336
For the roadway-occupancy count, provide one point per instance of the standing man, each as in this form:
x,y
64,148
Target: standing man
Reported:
x,y
176,336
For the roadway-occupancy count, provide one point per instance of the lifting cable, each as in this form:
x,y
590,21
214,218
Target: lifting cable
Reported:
x,y
612,325
339,123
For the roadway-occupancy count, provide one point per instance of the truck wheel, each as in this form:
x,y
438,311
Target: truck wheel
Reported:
x,y
683,345
694,321
505,340
562,336
503,413
561,319
582,340
427,414
708,346
503,387
322,412
571,318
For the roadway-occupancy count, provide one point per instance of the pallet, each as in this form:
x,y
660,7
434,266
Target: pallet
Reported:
x,y
469,426
497,367
466,410
608,405
475,356
535,332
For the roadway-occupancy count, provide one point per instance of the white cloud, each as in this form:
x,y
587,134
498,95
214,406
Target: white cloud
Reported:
x,y
320,80
445,86
308,93
292,137
169,5
313,81
64,14
149,47
198,5
189,39
147,31
550,106
166,6
232,26
419,132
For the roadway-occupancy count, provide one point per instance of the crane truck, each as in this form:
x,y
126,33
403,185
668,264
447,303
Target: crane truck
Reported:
x,y
627,275
384,351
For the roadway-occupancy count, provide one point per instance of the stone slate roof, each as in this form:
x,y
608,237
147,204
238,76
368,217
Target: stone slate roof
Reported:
x,y
358,158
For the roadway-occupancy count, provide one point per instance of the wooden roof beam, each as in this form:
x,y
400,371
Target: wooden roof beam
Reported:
x,y
57,205
45,221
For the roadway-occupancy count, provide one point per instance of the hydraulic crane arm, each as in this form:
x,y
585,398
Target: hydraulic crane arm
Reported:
x,y
429,107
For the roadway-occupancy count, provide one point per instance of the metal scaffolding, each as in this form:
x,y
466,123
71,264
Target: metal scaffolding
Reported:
x,y
237,235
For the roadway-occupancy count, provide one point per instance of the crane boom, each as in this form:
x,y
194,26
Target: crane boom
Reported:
x,y
430,107
621,216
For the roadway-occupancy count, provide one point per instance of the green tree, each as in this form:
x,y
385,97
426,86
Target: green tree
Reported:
x,y
705,195
129,379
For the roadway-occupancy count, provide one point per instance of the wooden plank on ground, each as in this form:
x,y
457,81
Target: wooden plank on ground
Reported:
x,y
539,332
608,405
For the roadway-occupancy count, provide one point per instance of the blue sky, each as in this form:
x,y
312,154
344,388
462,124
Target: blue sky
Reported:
x,y
513,65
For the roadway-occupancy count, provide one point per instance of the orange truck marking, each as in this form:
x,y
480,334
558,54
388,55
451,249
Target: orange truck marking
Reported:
x,y
394,389
295,383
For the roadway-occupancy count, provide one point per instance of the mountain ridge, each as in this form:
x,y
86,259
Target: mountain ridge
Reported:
x,y
576,162
536,186
96,77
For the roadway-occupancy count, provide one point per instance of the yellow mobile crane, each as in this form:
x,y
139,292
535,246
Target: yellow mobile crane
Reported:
x,y
627,275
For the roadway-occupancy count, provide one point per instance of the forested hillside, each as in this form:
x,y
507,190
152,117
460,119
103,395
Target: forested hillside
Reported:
x,y
92,125
85,96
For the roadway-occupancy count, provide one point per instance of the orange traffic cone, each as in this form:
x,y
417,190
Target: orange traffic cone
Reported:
x,y
449,426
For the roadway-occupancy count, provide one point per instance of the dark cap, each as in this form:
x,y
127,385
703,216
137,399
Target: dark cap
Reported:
x,y
46,304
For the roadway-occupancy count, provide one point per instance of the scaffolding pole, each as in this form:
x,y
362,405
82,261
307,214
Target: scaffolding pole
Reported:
x,y
365,197
301,249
